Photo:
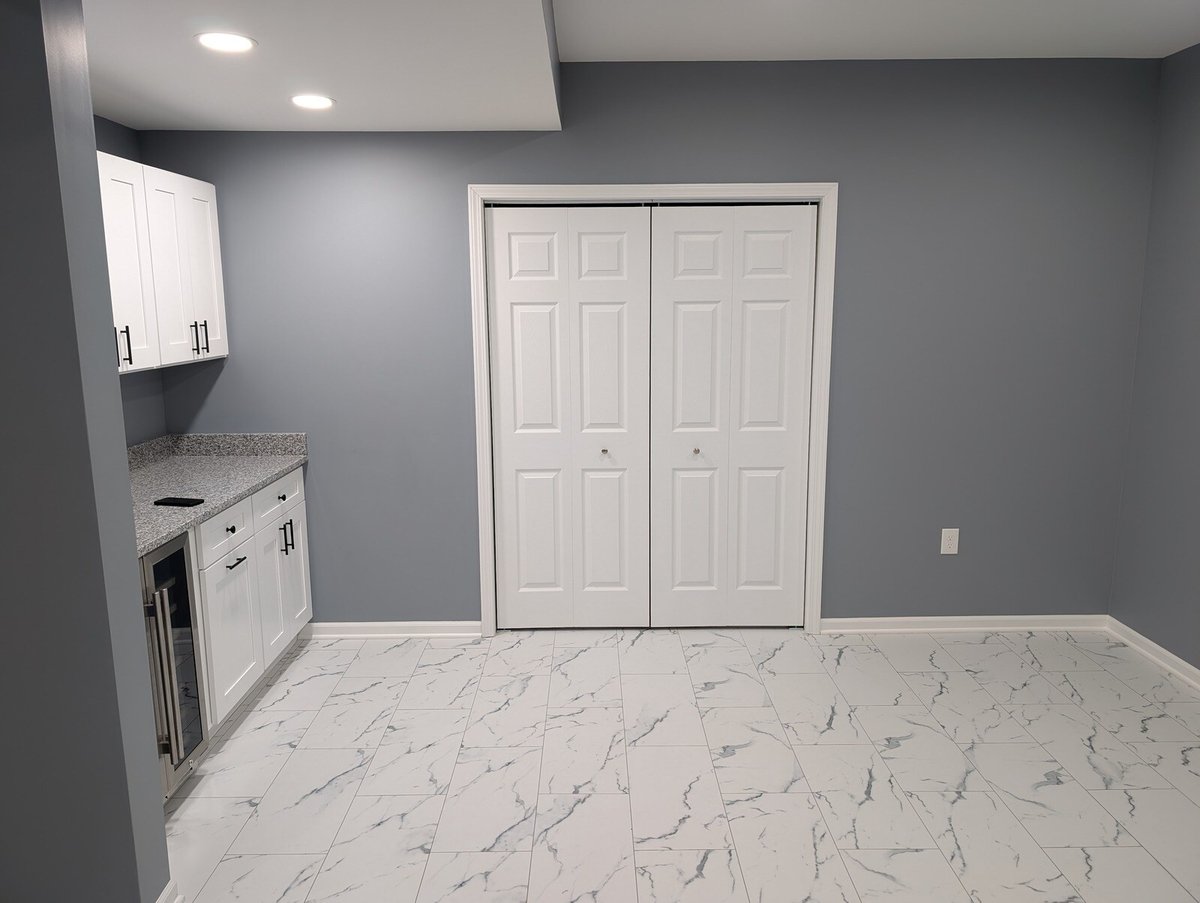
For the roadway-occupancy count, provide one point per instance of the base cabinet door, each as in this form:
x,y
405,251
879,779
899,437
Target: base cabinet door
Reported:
x,y
235,652
271,551
297,601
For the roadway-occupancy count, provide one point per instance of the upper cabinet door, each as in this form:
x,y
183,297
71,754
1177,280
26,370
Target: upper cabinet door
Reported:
x,y
131,277
166,202
188,282
203,244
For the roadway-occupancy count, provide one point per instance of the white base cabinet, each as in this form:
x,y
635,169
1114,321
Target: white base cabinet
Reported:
x,y
256,598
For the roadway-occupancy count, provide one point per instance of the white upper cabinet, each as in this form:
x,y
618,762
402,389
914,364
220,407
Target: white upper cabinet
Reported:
x,y
127,238
172,219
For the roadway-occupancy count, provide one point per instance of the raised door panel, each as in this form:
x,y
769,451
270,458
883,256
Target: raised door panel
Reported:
x,y
609,295
269,551
167,195
297,588
529,319
203,243
130,275
689,403
235,656
773,284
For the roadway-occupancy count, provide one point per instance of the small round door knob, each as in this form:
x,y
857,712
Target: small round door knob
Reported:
x,y
604,451
695,451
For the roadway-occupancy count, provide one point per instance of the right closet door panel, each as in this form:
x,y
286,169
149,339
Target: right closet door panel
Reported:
x,y
731,344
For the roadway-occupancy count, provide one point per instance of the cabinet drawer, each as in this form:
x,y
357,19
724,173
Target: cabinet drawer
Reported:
x,y
282,495
228,530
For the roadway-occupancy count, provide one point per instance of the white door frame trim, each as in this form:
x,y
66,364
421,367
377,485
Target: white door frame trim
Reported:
x,y
822,193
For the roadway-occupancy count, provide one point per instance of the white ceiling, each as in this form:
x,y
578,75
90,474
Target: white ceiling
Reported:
x,y
416,65
592,30
389,64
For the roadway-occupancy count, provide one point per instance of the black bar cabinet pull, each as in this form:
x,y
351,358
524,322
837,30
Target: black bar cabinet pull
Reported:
x,y
117,339
128,345
291,533
230,567
195,327
284,550
205,325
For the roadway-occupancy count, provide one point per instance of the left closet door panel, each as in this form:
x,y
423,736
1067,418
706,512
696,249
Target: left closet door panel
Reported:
x,y
131,277
570,316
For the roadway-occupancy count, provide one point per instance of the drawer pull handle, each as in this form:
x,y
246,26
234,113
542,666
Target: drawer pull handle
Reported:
x,y
195,328
128,346
230,567
283,498
205,326
231,529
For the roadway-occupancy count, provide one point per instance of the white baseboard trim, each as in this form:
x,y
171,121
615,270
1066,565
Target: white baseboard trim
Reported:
x,y
389,629
170,894
1164,658
950,625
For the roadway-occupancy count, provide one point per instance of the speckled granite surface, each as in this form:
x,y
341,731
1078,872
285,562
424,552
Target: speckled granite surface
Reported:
x,y
221,468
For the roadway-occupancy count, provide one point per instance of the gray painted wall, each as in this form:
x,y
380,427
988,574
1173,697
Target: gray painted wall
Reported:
x,y
1157,585
82,817
142,399
990,251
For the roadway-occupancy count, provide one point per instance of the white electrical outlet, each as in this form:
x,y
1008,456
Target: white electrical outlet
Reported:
x,y
950,541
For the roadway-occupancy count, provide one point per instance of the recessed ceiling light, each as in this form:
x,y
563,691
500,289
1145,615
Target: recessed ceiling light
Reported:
x,y
312,101
224,42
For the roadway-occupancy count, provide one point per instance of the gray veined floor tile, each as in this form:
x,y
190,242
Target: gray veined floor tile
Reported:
x,y
904,876
781,651
1166,823
298,688
1049,652
750,752
380,851
1178,763
675,801
862,804
915,652
689,876
417,753
1118,875
1089,753
586,637
1051,806
1142,675
651,652
253,879
248,761
865,677
491,802
387,658
1095,689
583,849
994,857
445,678
918,752
966,711
520,652
812,710
378,690
1186,713
841,639
584,752
784,848
508,711
475,878
200,831
1140,724
724,676
661,710
1000,671
585,676
695,637
348,725
305,806
462,641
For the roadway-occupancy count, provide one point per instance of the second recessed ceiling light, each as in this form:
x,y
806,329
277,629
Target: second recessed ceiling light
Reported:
x,y
225,42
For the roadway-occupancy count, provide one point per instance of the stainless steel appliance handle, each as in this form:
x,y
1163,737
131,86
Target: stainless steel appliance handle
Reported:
x,y
162,730
166,654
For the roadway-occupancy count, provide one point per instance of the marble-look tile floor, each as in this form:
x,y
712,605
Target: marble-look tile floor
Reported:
x,y
701,766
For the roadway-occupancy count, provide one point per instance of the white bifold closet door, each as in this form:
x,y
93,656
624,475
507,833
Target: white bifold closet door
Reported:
x,y
569,294
731,348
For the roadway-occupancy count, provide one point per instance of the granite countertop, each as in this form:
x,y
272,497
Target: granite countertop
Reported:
x,y
221,468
